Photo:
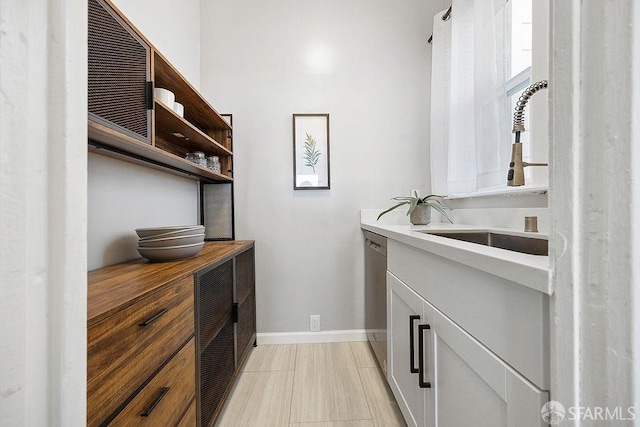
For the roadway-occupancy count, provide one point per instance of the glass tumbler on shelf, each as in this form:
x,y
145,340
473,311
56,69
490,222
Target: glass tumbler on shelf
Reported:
x,y
213,163
197,157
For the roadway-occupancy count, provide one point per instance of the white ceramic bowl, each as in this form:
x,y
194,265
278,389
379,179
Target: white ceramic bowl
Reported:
x,y
190,239
171,253
178,108
178,230
165,96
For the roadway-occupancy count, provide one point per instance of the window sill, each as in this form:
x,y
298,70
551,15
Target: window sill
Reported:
x,y
501,191
509,197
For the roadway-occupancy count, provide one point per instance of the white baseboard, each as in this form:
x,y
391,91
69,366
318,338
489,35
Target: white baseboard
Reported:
x,y
268,338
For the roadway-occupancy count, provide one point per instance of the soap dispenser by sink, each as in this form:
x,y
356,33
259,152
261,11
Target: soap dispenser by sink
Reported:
x,y
516,167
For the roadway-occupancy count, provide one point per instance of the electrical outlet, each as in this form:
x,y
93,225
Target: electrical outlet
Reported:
x,y
314,323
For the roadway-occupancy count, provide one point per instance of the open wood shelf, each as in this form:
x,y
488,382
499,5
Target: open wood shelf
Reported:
x,y
168,137
196,109
182,134
121,145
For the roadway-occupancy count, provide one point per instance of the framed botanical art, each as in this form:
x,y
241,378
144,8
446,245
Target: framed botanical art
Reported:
x,y
311,152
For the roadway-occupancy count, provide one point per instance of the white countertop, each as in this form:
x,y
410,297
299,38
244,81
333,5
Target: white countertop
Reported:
x,y
528,270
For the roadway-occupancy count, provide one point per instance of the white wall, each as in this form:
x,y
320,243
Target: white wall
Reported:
x,y
124,196
43,281
367,64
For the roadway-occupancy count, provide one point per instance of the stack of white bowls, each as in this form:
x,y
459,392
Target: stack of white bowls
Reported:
x,y
168,98
170,243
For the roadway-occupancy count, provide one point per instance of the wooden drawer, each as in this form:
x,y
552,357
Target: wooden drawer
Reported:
x,y
164,399
124,351
189,419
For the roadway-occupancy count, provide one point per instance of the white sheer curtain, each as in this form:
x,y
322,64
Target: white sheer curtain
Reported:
x,y
470,132
440,94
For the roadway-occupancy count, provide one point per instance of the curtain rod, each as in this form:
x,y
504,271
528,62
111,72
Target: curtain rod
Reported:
x,y
445,17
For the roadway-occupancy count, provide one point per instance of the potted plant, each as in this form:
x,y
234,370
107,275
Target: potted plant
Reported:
x,y
419,213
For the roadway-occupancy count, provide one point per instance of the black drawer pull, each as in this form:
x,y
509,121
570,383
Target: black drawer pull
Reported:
x,y
154,317
421,382
412,357
156,401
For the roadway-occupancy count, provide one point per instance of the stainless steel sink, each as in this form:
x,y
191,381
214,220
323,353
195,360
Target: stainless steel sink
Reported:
x,y
527,245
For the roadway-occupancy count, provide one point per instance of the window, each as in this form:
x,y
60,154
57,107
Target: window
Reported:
x,y
520,75
482,60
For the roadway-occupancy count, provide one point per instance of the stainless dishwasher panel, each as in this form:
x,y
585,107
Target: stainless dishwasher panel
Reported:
x,y
375,273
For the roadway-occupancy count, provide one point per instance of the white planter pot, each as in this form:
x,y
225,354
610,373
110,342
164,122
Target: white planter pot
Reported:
x,y
421,215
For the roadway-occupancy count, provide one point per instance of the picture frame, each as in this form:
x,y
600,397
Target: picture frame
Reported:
x,y
311,160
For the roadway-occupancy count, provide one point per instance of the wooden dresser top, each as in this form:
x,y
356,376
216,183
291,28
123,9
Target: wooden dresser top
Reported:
x,y
117,286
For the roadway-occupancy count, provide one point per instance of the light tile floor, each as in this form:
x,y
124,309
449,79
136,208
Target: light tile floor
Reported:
x,y
311,385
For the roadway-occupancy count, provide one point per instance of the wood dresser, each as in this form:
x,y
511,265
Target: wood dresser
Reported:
x,y
148,363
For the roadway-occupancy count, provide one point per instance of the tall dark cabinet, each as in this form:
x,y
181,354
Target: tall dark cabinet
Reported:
x,y
225,329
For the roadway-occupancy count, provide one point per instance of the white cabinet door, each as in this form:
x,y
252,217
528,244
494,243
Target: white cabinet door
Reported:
x,y
468,385
510,319
404,315
474,387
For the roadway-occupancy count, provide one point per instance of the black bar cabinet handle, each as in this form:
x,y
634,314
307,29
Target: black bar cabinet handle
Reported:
x,y
156,401
154,317
421,382
149,98
412,357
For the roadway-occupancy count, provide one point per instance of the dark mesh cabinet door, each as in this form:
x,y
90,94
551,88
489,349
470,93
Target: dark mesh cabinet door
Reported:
x,y
225,329
214,302
119,69
246,300
245,275
246,325
217,368
214,338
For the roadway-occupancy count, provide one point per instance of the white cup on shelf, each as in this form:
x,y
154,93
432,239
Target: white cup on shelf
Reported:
x,y
165,96
178,108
